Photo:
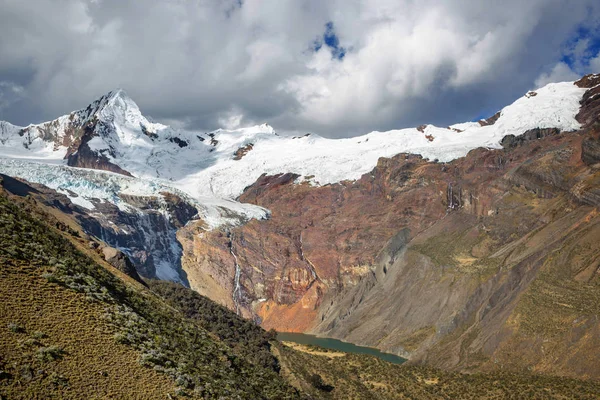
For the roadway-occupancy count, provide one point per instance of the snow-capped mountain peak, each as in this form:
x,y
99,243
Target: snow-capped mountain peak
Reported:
x,y
113,134
119,108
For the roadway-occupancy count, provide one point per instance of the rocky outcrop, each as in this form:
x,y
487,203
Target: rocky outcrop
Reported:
x,y
589,115
120,261
147,234
510,141
590,150
491,120
589,81
242,151
84,157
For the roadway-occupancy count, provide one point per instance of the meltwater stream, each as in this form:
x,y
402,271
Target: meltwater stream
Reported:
x,y
334,344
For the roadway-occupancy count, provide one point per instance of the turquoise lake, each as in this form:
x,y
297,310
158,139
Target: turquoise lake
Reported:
x,y
334,344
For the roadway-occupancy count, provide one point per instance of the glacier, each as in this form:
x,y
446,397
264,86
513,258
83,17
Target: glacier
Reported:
x,y
203,165
209,169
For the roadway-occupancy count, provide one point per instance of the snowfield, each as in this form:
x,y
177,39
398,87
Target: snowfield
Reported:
x,y
103,186
201,166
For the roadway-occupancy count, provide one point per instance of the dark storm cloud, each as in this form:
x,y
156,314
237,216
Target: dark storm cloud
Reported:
x,y
203,64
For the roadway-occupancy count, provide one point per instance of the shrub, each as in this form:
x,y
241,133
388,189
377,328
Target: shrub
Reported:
x,y
51,353
39,335
58,380
317,382
30,342
15,328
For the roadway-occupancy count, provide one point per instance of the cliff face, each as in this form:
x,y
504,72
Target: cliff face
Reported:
x,y
145,229
146,232
511,283
490,261
83,156
317,239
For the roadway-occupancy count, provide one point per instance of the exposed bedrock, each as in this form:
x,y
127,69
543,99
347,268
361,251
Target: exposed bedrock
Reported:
x,y
462,264
145,231
84,157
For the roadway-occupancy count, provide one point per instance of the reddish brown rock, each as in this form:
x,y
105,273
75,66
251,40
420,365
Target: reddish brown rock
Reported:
x,y
491,120
450,264
242,151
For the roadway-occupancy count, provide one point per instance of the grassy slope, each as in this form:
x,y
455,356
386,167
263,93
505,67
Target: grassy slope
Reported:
x,y
93,362
74,327
106,332
365,377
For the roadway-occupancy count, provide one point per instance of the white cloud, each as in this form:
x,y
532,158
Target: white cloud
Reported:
x,y
406,62
595,64
560,73
9,93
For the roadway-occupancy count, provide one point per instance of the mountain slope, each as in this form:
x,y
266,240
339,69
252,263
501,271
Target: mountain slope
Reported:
x,y
135,167
125,336
452,264
446,257
74,327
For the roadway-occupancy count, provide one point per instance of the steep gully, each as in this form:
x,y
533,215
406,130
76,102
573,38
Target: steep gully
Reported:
x,y
236,295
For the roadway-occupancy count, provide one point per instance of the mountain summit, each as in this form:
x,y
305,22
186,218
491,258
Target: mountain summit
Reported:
x,y
112,134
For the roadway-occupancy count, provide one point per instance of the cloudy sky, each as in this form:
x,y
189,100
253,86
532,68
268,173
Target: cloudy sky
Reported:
x,y
334,67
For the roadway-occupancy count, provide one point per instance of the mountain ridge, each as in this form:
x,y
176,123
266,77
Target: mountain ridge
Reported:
x,y
74,327
112,134
302,252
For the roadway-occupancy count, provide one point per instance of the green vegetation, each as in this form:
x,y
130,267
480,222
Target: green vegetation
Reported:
x,y
15,328
366,377
71,329
51,353
167,342
247,339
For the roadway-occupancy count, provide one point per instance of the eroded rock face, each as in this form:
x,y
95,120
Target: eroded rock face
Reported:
x,y
589,115
457,265
590,150
82,156
317,240
145,233
510,141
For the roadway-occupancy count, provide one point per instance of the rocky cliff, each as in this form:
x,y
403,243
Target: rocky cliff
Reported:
x,y
489,261
143,227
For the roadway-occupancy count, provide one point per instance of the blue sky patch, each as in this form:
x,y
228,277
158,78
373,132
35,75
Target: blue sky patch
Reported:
x,y
331,41
581,48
